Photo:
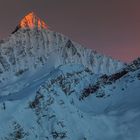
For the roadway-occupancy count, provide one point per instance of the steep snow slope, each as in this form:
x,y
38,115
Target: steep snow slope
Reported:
x,y
118,97
56,111
45,109
32,45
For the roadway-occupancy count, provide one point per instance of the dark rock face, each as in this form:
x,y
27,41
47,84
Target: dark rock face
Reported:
x,y
16,29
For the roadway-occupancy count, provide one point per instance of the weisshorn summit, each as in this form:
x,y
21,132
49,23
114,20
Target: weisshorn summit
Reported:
x,y
52,88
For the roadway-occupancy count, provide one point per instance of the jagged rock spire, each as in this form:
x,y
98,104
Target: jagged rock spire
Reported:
x,y
32,21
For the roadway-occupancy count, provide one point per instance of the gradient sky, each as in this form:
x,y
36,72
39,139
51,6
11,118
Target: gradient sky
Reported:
x,y
111,27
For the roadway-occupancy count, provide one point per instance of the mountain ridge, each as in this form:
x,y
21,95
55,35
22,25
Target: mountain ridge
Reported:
x,y
30,49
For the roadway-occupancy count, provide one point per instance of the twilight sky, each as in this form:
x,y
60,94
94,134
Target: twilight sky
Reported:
x,y
111,27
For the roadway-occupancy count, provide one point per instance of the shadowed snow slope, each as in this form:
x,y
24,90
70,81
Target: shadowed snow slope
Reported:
x,y
55,110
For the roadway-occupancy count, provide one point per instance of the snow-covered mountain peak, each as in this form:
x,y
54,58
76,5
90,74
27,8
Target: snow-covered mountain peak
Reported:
x,y
67,91
28,50
32,21
32,46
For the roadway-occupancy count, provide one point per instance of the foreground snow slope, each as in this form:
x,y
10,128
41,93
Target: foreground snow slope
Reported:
x,y
57,111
